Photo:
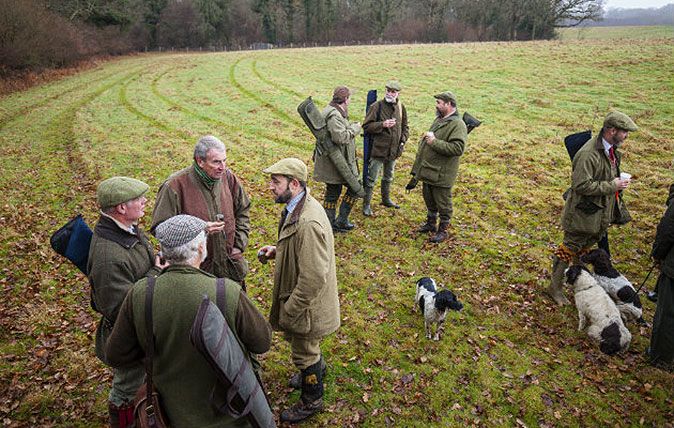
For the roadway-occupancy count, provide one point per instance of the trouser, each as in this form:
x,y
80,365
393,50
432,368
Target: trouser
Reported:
x,y
125,383
662,336
575,245
374,168
438,201
304,352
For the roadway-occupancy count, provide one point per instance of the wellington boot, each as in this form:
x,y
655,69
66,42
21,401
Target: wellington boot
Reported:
x,y
386,195
442,234
330,212
555,290
367,200
311,399
295,381
429,226
342,223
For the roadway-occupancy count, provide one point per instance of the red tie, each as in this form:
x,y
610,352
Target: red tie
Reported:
x,y
611,155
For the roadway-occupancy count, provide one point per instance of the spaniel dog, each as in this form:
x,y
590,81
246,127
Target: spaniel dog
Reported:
x,y
434,305
616,285
597,312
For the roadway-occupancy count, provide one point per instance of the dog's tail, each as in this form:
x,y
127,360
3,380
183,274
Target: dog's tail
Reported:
x,y
610,339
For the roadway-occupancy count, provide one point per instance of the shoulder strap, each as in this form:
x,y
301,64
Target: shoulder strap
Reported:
x,y
223,295
149,338
220,298
379,111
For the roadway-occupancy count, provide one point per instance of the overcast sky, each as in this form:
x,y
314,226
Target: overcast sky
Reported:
x,y
634,4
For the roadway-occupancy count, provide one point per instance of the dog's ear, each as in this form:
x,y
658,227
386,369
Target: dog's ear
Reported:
x,y
610,339
455,305
573,273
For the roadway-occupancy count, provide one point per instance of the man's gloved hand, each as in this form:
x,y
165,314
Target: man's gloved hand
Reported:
x,y
412,184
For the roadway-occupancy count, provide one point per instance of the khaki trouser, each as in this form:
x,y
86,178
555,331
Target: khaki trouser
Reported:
x,y
438,201
305,352
375,167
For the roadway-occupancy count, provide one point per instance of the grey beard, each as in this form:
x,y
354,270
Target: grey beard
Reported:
x,y
389,99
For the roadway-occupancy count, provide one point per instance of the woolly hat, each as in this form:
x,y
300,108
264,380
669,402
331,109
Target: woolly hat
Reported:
x,y
179,230
619,120
292,167
340,94
117,190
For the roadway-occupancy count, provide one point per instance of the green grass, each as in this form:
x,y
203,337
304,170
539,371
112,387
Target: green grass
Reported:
x,y
626,32
509,358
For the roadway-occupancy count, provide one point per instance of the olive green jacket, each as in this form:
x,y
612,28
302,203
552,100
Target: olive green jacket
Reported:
x,y
117,259
663,247
180,373
343,134
590,200
387,143
437,164
305,301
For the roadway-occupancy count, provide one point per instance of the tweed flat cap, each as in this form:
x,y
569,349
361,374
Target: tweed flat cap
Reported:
x,y
446,97
393,85
117,190
340,94
616,119
289,166
179,230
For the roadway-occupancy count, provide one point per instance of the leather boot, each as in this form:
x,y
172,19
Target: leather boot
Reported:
x,y
429,226
311,399
555,289
330,212
367,200
386,195
442,234
295,381
342,223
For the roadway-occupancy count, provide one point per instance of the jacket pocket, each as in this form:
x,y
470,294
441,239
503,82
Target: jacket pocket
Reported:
x,y
429,172
587,207
299,323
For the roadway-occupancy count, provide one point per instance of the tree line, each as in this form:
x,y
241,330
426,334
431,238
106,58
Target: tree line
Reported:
x,y
53,33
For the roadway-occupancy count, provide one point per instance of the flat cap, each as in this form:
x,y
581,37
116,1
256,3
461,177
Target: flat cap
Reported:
x,y
393,85
117,190
179,230
446,97
292,167
340,94
616,119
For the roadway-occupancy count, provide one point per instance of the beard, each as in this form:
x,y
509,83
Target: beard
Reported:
x,y
390,99
438,113
284,197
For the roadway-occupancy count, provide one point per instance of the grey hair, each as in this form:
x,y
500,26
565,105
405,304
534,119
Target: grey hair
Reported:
x,y
207,143
185,253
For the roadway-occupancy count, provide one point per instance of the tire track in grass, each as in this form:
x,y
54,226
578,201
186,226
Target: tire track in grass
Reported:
x,y
274,84
283,115
274,139
22,111
147,118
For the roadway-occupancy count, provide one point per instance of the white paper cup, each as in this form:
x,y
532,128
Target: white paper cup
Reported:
x,y
625,176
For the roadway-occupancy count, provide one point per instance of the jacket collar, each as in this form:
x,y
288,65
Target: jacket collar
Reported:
x,y
452,116
184,269
106,228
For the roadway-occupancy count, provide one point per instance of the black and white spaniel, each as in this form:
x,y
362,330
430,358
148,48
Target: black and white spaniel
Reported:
x,y
434,305
616,285
597,312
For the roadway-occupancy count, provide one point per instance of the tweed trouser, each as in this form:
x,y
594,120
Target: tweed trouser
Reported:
x,y
438,201
304,352
575,245
125,383
374,168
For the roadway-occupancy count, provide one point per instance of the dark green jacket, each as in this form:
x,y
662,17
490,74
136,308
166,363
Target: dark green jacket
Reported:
x,y
437,164
343,134
663,247
590,201
387,143
181,375
117,259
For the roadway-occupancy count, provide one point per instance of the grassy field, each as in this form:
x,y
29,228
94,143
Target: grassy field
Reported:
x,y
510,358
626,32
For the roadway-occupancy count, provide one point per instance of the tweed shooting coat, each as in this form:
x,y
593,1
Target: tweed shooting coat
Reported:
x,y
343,135
387,143
180,373
305,301
590,201
117,259
185,193
437,164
